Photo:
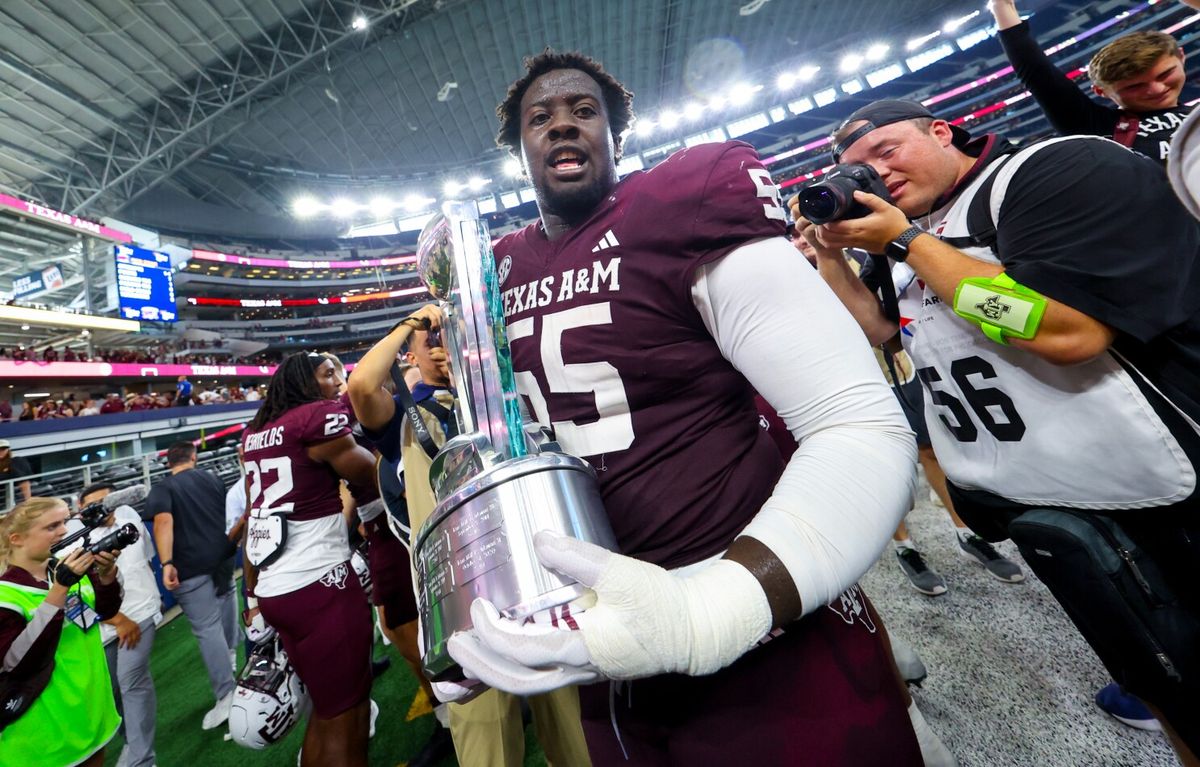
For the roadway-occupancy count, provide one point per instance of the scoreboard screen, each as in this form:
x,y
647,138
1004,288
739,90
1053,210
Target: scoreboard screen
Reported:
x,y
145,284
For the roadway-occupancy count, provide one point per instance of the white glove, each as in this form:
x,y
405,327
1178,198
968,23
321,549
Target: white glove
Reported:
x,y
646,621
450,692
456,692
257,630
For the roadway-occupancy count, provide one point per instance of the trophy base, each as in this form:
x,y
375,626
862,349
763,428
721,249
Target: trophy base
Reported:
x,y
479,543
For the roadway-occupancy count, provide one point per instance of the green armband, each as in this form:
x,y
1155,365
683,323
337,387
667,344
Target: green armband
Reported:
x,y
1000,306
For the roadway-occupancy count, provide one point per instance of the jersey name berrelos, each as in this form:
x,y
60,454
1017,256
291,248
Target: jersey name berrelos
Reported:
x,y
269,438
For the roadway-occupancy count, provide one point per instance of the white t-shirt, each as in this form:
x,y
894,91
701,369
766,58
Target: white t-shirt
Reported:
x,y
235,503
140,599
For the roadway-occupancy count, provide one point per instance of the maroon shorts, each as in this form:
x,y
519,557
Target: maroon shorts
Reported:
x,y
823,692
327,632
391,574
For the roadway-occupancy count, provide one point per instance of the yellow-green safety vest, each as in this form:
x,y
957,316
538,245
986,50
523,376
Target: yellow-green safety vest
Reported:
x,y
75,715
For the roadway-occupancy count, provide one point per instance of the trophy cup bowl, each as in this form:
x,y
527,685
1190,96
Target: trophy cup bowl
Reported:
x,y
495,485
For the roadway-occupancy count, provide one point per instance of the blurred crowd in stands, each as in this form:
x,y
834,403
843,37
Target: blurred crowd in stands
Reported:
x,y
71,406
160,355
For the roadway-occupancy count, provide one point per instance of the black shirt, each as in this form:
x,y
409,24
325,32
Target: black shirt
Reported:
x,y
195,498
17,468
1099,229
1072,112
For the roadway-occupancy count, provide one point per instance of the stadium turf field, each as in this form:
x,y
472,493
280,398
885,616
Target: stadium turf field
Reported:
x,y
405,719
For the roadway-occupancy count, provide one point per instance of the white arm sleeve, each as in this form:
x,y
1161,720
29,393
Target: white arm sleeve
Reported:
x,y
851,479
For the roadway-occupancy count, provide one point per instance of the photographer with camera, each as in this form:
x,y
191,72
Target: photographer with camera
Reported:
x,y
128,636
1051,320
56,703
488,729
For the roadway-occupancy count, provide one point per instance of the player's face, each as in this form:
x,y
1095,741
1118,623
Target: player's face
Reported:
x,y
916,166
1156,88
328,379
566,143
47,530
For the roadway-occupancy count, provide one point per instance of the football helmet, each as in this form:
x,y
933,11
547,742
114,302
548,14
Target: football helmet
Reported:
x,y
269,698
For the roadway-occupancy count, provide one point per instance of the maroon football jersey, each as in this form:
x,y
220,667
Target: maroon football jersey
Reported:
x,y
610,351
282,476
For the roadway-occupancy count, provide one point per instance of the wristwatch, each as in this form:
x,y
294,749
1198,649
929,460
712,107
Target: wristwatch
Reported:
x,y
897,249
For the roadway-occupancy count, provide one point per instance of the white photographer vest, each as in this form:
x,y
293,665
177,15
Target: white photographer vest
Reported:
x,y
1007,422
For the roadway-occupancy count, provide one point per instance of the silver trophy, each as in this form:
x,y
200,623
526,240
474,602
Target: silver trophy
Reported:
x,y
500,480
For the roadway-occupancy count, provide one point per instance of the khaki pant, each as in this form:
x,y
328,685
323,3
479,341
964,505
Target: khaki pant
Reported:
x,y
488,732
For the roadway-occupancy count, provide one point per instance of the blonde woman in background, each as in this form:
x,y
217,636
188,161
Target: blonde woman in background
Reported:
x,y
56,701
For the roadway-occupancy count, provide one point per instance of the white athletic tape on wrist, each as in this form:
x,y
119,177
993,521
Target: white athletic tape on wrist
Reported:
x,y
692,625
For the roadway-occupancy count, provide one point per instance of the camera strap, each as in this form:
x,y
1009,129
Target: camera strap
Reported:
x,y
887,288
415,421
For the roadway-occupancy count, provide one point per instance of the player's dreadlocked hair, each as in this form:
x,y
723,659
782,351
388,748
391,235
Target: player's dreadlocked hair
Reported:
x,y
294,383
618,101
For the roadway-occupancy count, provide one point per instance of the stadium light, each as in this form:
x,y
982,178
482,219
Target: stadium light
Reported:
x,y
716,103
477,183
917,42
359,23
668,119
303,207
513,168
415,202
451,188
785,81
851,62
343,207
381,206
743,93
877,51
693,111
807,72
954,24
644,127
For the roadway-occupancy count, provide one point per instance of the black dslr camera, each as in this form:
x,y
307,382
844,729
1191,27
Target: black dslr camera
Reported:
x,y
93,515
832,199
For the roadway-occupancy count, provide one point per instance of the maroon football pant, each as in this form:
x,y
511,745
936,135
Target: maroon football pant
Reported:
x,y
822,693
327,632
391,574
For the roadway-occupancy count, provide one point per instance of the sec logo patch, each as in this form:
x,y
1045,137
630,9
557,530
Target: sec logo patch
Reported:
x,y
505,268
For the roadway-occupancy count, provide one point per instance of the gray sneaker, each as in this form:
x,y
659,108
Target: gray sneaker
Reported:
x,y
998,566
908,663
920,575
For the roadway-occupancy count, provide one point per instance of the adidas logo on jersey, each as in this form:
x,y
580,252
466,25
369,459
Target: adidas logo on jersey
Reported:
x,y
609,240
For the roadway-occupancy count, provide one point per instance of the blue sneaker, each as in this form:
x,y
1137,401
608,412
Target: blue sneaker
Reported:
x,y
1125,708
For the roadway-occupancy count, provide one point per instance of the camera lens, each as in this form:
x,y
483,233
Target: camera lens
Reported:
x,y
116,540
819,204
